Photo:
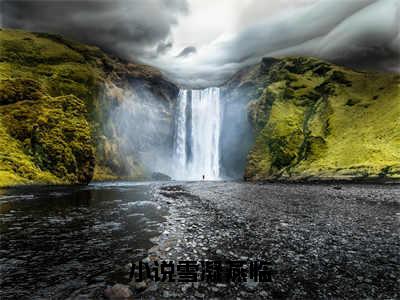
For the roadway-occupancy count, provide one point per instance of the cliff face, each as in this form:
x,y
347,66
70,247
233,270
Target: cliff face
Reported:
x,y
312,119
70,113
54,97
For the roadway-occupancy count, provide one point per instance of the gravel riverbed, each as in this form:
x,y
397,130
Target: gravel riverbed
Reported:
x,y
319,240
316,240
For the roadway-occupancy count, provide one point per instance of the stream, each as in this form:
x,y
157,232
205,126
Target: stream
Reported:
x,y
56,240
319,240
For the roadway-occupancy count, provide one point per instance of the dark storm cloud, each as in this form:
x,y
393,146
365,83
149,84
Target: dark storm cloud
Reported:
x,y
187,51
164,47
363,34
128,28
350,31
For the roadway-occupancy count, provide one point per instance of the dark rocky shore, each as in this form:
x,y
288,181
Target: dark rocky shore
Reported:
x,y
325,240
320,240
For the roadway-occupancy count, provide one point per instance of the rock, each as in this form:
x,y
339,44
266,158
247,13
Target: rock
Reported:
x,y
185,287
119,292
153,286
140,286
243,294
267,63
168,294
160,176
263,294
251,285
100,278
199,295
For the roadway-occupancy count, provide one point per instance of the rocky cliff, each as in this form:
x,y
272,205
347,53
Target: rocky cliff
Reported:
x,y
55,96
312,119
69,113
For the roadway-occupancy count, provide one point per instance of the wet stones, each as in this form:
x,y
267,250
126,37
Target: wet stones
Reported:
x,y
308,234
119,292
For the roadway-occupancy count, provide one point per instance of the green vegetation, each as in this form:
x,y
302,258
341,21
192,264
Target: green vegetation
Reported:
x,y
52,104
312,119
45,89
317,120
16,167
54,134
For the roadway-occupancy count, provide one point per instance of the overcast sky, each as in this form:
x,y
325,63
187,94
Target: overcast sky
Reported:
x,y
202,42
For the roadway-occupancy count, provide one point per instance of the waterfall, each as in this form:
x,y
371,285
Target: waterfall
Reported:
x,y
180,153
197,135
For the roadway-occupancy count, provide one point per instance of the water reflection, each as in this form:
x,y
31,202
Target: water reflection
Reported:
x,y
55,240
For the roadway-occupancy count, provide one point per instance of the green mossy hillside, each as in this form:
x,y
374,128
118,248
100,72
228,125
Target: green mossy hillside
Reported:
x,y
54,134
45,89
53,105
316,120
16,166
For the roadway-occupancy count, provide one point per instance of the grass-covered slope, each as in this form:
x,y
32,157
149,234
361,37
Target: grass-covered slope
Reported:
x,y
52,106
317,120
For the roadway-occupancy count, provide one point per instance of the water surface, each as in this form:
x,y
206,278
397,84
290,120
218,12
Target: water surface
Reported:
x,y
57,240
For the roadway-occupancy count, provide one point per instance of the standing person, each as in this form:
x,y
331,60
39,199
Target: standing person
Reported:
x,y
204,176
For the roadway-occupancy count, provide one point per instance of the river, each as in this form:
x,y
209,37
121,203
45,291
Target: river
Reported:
x,y
326,240
56,240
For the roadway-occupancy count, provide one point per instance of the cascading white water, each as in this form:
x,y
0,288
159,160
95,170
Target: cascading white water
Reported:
x,y
206,118
180,153
197,135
